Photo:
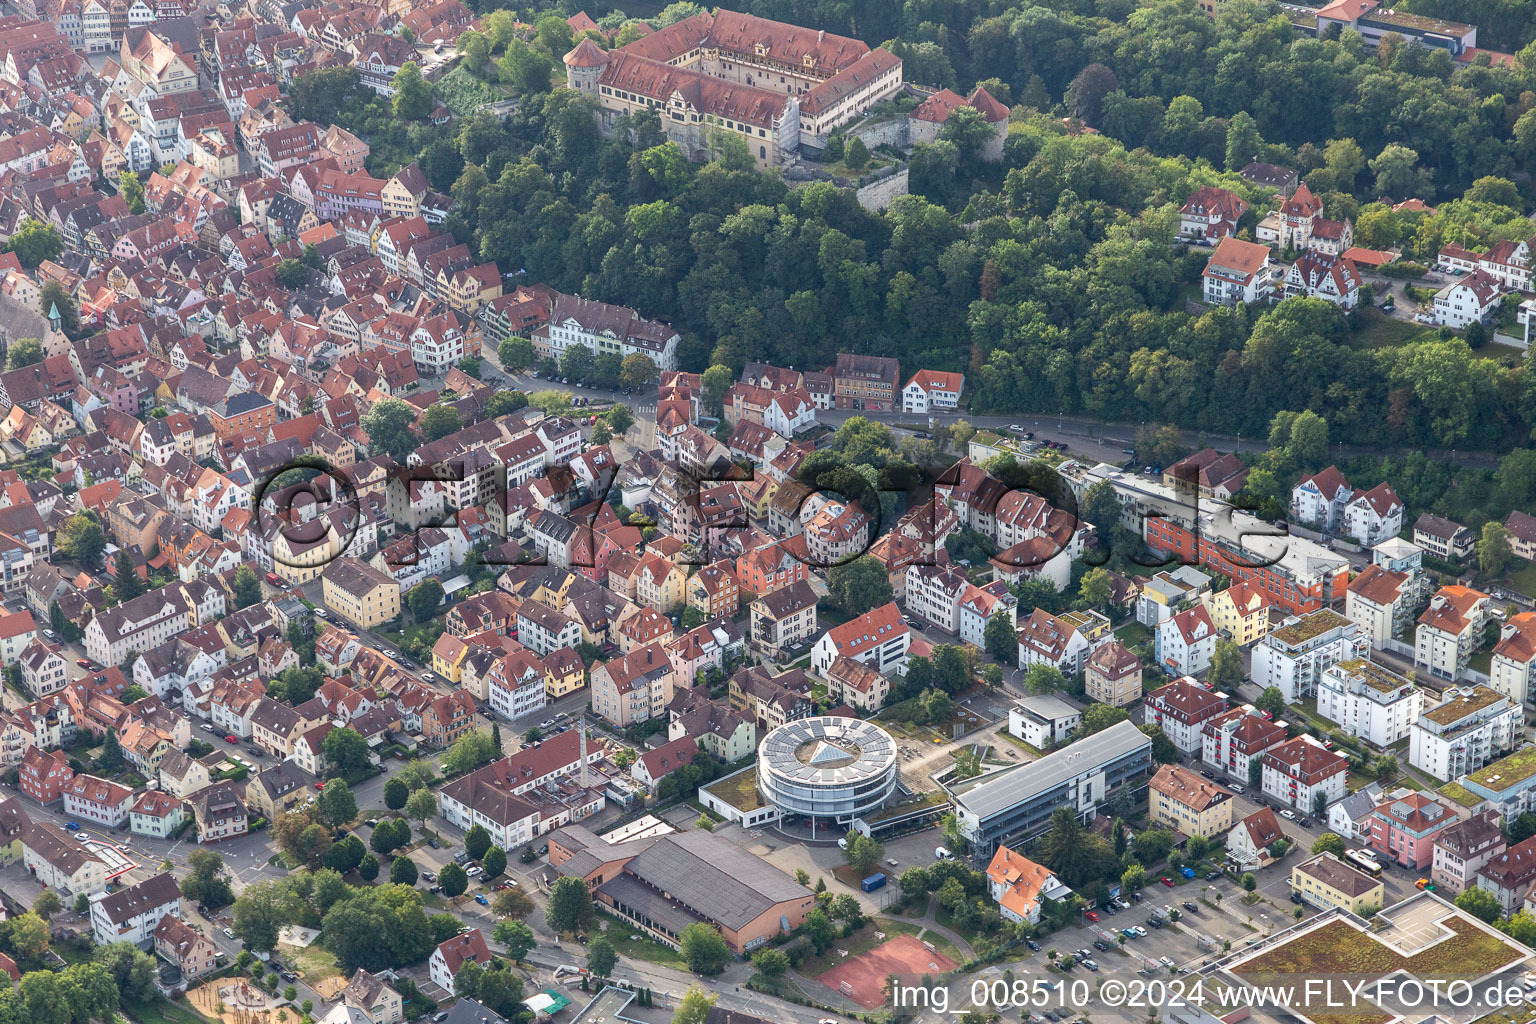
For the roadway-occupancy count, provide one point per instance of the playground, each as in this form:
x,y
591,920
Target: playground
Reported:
x,y
863,978
237,1001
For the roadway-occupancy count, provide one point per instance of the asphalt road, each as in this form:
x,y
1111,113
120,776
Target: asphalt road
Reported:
x,y
1087,437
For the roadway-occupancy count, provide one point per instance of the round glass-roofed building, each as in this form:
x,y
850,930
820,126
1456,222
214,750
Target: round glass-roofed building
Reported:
x,y
826,768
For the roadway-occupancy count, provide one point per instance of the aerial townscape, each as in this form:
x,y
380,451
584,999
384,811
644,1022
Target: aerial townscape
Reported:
x,y
803,513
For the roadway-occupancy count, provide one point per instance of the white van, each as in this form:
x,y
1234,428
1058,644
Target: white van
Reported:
x,y
842,844
942,853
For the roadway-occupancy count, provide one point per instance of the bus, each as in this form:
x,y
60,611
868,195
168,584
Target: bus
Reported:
x,y
1362,861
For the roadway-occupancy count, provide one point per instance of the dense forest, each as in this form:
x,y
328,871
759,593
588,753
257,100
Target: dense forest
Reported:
x,y
1049,277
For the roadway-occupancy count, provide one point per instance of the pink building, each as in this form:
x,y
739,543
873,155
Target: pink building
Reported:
x,y
1404,829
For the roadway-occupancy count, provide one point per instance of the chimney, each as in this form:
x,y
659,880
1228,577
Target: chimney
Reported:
x,y
586,773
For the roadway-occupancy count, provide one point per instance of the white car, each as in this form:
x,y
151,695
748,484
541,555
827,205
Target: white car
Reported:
x,y
1288,814
229,933
472,870
322,613
1238,790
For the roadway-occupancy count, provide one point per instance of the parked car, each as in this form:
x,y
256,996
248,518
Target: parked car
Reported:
x,y
231,739
83,662
480,899
1288,814
1191,905
434,844
429,876
1166,881
473,870
1090,915
1033,945
73,826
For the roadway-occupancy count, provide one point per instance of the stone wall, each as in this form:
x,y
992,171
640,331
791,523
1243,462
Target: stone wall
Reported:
x,y
877,195
893,131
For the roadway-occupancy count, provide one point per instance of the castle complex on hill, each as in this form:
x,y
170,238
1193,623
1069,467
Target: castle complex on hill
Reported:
x,y
776,86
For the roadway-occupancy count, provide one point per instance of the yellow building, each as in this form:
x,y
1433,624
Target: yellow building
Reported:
x,y
563,673
302,557
1182,800
448,656
1325,882
360,593
659,583
1093,626
1241,612
13,822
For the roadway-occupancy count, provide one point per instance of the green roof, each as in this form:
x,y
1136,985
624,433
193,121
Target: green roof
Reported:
x,y
1460,794
1502,774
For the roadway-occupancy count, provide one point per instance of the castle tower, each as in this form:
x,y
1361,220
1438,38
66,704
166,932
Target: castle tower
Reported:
x,y
584,66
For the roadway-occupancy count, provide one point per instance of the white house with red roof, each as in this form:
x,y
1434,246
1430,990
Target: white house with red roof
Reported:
x,y
1018,885
1290,227
1449,630
97,799
1211,213
1374,516
1045,639
1507,261
1237,271
1185,643
1235,737
1512,670
654,765
449,957
1473,298
17,630
790,412
1318,274
980,605
1331,237
1181,709
879,638
1318,499
1296,771
932,391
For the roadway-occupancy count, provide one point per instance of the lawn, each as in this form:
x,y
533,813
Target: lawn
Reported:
x,y
629,941
1011,738
1133,633
1506,354
1522,580
178,1012
1338,948
314,962
1382,331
